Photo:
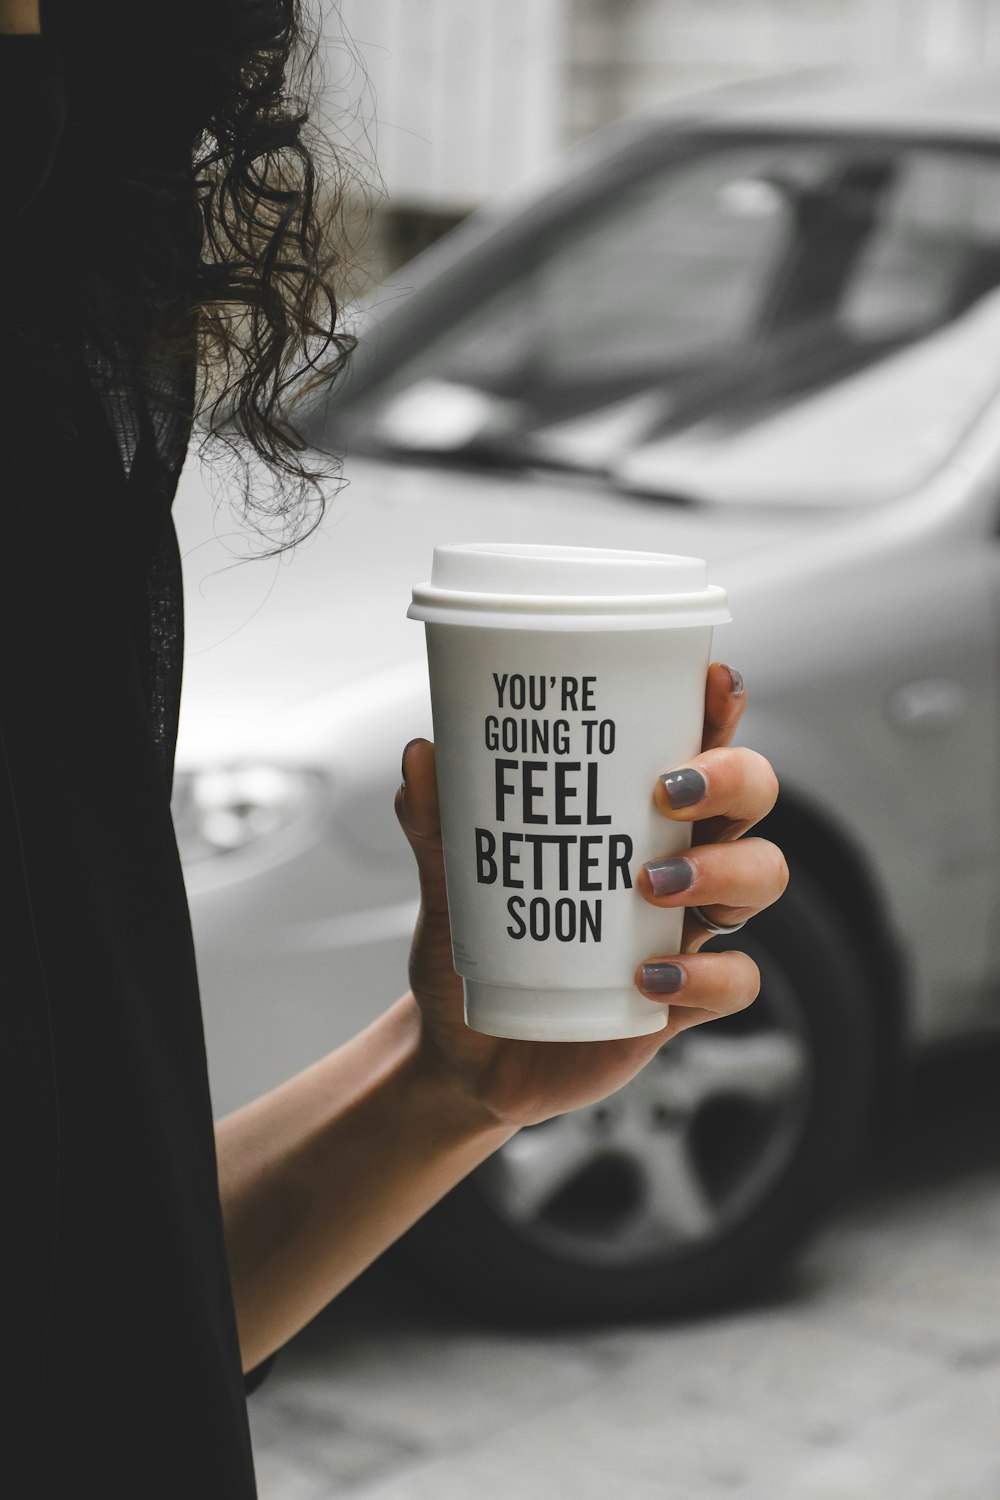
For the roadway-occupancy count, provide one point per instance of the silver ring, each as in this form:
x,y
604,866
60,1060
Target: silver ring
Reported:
x,y
713,927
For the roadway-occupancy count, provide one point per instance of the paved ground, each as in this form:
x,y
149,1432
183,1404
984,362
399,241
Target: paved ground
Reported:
x,y
874,1375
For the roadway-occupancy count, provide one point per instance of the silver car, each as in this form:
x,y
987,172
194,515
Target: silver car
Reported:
x,y
762,327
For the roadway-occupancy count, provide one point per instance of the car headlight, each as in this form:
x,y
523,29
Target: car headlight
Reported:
x,y
223,809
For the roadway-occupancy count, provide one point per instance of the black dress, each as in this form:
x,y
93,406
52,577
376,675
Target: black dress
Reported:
x,y
118,1326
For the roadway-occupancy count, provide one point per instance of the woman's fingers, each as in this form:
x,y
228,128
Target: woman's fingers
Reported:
x,y
729,881
724,791
744,876
700,986
419,817
725,700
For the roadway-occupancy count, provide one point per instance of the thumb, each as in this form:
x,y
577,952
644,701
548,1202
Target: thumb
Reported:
x,y
419,817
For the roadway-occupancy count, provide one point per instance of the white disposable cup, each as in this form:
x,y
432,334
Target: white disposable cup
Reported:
x,y
564,681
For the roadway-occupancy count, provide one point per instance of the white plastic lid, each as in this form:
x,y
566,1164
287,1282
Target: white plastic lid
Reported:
x,y
520,585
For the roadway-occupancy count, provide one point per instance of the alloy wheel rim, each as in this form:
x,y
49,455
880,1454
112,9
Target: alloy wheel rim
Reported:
x,y
678,1157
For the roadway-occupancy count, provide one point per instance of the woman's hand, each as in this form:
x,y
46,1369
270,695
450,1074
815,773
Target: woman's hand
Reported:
x,y
724,791
320,1175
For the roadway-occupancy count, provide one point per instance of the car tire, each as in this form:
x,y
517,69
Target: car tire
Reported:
x,y
771,1147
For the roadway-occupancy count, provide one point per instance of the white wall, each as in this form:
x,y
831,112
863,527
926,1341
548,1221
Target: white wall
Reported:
x,y
934,33
626,55
464,96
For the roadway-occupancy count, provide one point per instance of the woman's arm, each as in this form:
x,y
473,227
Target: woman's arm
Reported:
x,y
321,1175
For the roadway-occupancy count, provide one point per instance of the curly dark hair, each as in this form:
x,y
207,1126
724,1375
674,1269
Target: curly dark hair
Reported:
x,y
201,206
271,193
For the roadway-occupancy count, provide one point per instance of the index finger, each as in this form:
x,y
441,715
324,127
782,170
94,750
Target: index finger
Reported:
x,y
725,700
417,797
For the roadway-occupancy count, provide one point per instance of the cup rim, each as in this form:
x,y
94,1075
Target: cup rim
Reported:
x,y
434,605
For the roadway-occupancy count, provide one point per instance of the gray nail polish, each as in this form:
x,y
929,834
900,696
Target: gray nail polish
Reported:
x,y
669,875
662,978
684,787
736,678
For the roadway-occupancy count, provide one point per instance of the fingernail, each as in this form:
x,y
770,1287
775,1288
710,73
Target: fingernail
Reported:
x,y
661,979
684,787
738,686
669,875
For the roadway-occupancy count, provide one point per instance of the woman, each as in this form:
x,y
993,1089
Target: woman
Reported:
x,y
159,209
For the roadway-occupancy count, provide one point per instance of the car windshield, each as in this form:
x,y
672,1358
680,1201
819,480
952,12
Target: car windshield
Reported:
x,y
802,321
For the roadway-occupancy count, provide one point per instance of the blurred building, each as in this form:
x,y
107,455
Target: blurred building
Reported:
x,y
457,100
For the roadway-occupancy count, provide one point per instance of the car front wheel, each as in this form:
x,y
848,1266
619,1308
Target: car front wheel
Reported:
x,y
689,1186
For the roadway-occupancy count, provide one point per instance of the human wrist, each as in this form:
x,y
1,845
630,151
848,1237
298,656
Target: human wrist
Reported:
x,y
453,1093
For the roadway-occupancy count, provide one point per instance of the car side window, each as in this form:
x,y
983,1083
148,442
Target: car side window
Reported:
x,y
936,250
668,269
736,281
672,268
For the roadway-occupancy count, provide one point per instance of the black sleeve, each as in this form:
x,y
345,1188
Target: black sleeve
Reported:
x,y
256,1377
32,117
